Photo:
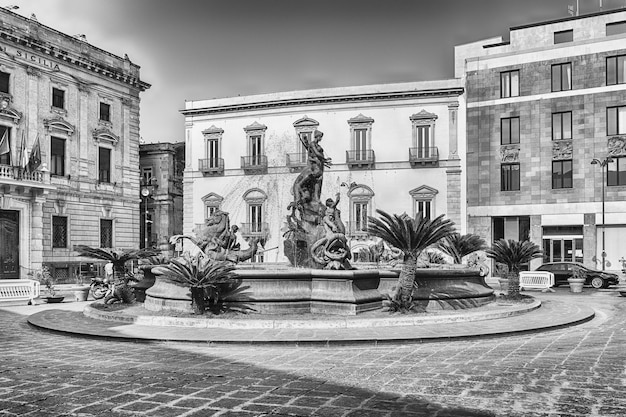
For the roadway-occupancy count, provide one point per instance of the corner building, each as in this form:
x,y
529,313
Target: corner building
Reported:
x,y
540,108
81,105
394,147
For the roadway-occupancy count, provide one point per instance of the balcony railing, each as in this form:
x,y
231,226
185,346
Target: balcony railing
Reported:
x,y
363,158
297,160
424,156
211,165
254,163
17,173
14,178
356,229
259,230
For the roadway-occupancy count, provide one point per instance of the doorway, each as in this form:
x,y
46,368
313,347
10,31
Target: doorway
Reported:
x,y
9,244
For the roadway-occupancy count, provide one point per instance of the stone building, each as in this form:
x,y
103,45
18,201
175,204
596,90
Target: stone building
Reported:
x,y
76,108
540,108
395,147
161,166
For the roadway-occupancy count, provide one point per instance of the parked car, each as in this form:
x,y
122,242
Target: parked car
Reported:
x,y
563,270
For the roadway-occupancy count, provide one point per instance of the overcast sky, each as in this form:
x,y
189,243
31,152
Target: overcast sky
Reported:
x,y
202,49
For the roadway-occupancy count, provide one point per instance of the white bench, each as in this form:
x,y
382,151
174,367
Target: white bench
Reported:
x,y
19,290
541,280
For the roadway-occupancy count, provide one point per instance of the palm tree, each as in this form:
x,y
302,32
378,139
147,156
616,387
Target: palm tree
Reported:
x,y
458,246
213,284
411,237
118,258
513,254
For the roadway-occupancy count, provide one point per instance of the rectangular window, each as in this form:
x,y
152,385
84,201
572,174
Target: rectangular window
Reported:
x,y
360,144
146,175
256,217
509,130
210,210
615,70
424,141
509,84
59,232
564,36
105,112
4,82
562,125
104,165
562,174
616,120
5,133
106,233
562,77
57,156
255,150
305,137
213,152
616,171
615,28
424,207
360,216
58,98
509,177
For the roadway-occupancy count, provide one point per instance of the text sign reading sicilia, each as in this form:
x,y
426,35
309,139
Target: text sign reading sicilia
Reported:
x,y
31,58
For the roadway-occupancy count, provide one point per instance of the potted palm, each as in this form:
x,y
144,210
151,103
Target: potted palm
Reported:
x,y
46,279
411,237
577,280
513,254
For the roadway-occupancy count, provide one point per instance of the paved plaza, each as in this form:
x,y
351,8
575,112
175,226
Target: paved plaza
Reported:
x,y
570,371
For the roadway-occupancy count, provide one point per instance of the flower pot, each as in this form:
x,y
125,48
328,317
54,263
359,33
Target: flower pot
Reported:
x,y
81,293
576,284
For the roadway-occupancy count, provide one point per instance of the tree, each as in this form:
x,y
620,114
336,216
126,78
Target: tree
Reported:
x,y
411,237
118,258
458,246
513,254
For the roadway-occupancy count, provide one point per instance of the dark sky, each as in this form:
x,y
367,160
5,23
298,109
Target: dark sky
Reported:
x,y
202,49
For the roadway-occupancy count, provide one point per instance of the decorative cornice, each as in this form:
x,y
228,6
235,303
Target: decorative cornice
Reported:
x,y
212,199
617,146
105,135
255,126
562,149
423,192
59,124
213,132
361,120
509,153
423,116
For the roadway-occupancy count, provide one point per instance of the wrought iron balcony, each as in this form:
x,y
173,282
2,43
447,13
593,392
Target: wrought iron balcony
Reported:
x,y
362,158
297,160
424,156
14,179
357,229
256,163
211,165
258,230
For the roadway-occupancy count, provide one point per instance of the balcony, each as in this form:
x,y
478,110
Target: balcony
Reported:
x,y
211,166
297,161
360,159
357,230
254,164
424,156
14,180
254,230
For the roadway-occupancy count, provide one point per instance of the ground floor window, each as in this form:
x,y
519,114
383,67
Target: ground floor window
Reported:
x,y
106,233
562,243
59,232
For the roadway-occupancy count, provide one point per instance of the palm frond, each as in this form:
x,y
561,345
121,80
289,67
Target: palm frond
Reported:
x,y
458,246
513,253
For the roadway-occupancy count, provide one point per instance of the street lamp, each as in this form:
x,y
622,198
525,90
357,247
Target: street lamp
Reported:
x,y
603,165
147,188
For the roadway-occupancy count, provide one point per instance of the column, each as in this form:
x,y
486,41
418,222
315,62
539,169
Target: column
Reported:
x,y
36,232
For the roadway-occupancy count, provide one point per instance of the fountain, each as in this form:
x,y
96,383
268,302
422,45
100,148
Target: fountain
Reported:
x,y
320,279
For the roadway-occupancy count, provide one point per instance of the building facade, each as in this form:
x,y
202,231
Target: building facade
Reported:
x,y
72,110
395,147
546,137
161,167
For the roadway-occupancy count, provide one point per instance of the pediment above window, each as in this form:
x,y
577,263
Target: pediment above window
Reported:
x,y
255,195
423,192
361,120
105,135
255,126
212,199
212,132
58,124
361,191
423,117
11,114
305,123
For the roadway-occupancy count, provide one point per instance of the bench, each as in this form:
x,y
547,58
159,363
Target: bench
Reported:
x,y
541,280
19,290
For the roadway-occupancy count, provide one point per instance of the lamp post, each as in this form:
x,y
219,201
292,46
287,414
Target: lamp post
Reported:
x,y
603,165
147,188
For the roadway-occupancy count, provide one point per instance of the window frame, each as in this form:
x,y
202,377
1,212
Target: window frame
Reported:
x,y
561,68
105,116
63,243
508,92
619,130
561,123
5,80
108,223
510,130
618,59
58,97
616,178
560,180
108,170
5,159
56,159
508,183
561,36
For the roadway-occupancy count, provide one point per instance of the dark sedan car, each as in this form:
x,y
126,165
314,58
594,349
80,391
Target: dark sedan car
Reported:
x,y
563,270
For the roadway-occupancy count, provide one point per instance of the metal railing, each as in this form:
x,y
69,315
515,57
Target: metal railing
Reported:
x,y
211,165
428,154
254,229
296,160
254,162
362,157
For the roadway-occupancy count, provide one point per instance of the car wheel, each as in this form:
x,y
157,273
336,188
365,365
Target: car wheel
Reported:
x,y
597,282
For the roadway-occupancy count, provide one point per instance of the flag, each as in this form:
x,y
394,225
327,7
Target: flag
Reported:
x,y
35,156
4,143
22,155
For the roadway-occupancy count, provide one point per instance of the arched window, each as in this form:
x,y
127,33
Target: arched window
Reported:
x,y
360,207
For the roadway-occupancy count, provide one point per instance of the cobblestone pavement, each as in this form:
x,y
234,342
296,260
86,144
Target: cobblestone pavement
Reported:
x,y
574,371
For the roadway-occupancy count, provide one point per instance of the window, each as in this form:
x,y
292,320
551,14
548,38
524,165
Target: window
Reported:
x,y
58,98
562,77
255,200
564,36
516,228
361,134
509,177
106,233
303,152
615,70
5,140
105,112
509,84
360,207
4,82
255,136
59,232
509,130
146,175
424,201
562,125
213,152
616,120
424,145
616,171
57,156
210,211
360,216
359,144
255,149
615,28
212,203
562,174
104,165
255,216
424,207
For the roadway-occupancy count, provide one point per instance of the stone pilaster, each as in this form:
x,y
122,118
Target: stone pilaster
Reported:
x,y
590,238
36,235
536,236
453,146
453,197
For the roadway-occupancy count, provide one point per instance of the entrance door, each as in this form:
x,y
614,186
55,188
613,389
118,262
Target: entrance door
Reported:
x,y
9,244
562,249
